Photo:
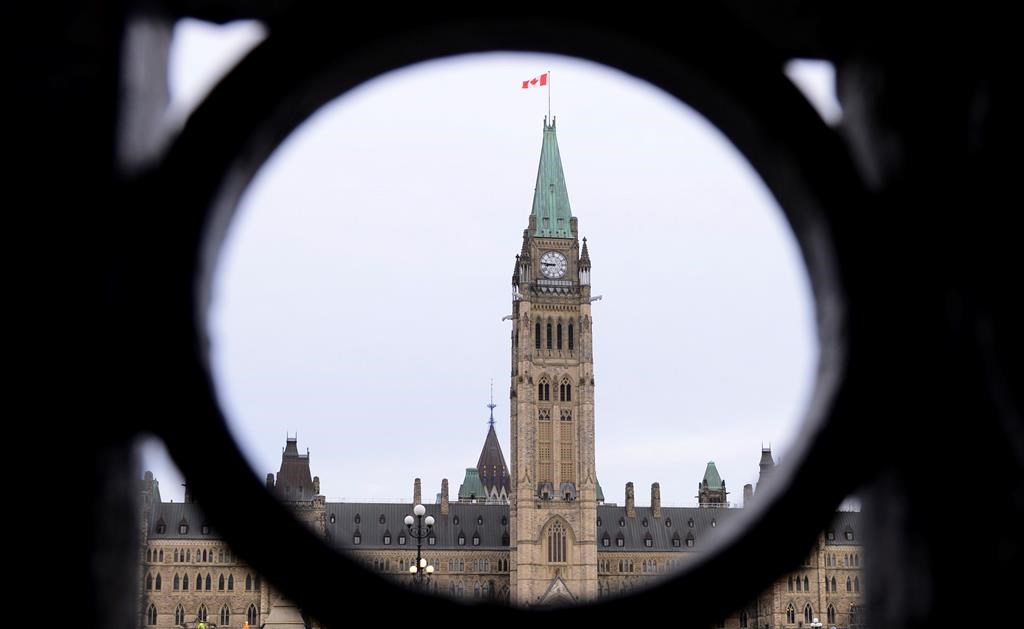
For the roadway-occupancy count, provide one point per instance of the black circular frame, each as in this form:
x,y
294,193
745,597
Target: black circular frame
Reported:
x,y
310,59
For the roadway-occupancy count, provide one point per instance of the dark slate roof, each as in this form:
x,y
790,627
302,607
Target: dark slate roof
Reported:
x,y
634,532
370,528
491,465
172,514
846,521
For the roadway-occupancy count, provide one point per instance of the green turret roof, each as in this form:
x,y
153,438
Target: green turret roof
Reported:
x,y
711,476
472,488
550,197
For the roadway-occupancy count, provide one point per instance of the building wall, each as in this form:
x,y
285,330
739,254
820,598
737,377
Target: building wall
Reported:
x,y
219,562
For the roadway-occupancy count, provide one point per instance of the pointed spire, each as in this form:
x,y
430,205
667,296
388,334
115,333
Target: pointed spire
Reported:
x,y
550,197
585,256
491,467
712,479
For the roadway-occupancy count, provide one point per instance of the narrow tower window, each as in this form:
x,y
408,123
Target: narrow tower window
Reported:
x,y
559,336
544,390
536,335
556,544
570,338
549,335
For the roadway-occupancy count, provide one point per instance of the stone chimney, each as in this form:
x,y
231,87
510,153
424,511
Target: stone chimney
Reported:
x,y
417,494
748,494
188,493
656,500
316,485
630,503
444,496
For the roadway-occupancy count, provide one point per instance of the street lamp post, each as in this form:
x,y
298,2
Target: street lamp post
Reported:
x,y
419,528
816,624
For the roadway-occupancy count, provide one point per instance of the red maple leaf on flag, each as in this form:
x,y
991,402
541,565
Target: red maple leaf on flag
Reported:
x,y
537,81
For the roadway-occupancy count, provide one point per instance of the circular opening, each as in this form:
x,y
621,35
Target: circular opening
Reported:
x,y
269,140
358,301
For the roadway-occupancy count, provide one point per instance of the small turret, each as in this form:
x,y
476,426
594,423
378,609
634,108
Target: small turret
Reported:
x,y
584,265
630,502
656,500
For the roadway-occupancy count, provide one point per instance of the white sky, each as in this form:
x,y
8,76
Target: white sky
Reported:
x,y
360,293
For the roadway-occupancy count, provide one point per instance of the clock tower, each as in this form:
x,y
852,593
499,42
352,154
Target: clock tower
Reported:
x,y
554,493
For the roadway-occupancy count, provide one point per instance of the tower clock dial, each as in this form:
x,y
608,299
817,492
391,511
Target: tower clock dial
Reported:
x,y
552,264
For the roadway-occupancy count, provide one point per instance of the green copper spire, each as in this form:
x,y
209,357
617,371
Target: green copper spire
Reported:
x,y
551,212
711,476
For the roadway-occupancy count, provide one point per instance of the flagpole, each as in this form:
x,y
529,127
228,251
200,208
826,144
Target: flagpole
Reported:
x,y
549,96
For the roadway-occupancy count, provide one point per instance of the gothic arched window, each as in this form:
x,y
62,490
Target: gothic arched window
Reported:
x,y
225,615
250,615
834,588
184,583
565,391
175,555
791,614
179,614
203,614
220,583
849,585
149,581
158,582
151,614
161,556
208,583
856,584
807,585
790,583
558,339
566,416
808,614
544,390
536,335
557,544
572,341
831,614
248,583
231,583
549,335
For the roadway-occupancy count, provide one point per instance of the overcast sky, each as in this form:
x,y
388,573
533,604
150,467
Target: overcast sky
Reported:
x,y
359,295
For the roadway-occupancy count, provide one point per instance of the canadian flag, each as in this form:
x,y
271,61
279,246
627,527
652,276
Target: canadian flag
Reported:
x,y
537,81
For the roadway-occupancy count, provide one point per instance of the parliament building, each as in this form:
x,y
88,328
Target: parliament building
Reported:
x,y
538,532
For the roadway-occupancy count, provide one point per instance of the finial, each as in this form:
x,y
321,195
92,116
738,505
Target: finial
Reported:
x,y
492,405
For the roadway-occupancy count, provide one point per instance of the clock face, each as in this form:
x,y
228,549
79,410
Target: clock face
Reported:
x,y
552,264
